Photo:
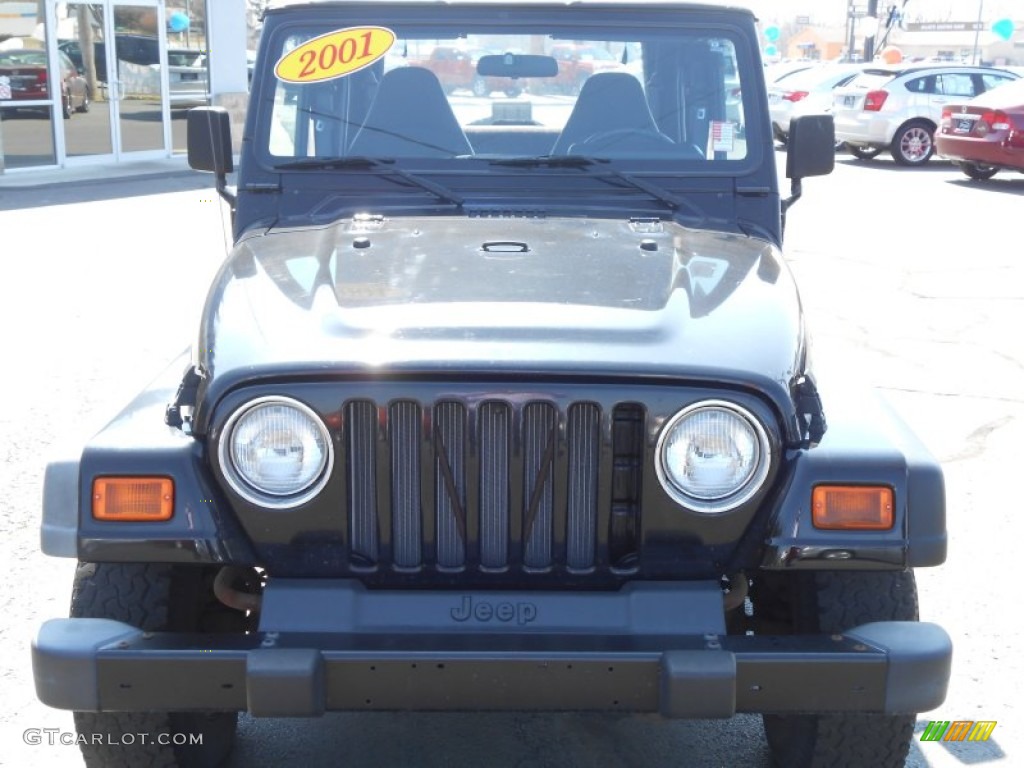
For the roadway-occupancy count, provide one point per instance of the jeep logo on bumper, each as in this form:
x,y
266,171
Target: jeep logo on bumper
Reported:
x,y
521,613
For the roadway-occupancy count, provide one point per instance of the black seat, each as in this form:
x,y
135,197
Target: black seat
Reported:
x,y
410,117
612,117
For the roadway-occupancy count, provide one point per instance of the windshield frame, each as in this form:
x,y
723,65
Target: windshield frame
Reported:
x,y
563,23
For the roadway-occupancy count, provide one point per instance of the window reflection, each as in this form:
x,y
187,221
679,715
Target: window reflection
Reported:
x,y
88,133
26,137
28,90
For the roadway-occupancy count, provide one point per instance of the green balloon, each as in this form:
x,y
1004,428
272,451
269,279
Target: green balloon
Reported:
x,y
1004,28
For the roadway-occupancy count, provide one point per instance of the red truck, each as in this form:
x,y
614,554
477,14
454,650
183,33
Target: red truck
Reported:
x,y
456,69
578,62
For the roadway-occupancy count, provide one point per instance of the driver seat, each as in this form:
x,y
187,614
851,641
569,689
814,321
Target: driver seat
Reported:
x,y
410,117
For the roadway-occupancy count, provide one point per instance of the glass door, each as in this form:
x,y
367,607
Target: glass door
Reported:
x,y
83,40
137,79
117,49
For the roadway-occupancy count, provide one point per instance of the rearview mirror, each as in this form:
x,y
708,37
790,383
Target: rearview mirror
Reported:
x,y
517,65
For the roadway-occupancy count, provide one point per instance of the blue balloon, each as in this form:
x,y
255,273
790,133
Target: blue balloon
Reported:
x,y
771,34
178,22
1004,28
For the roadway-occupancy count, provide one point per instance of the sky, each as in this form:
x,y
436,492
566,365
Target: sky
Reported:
x,y
834,11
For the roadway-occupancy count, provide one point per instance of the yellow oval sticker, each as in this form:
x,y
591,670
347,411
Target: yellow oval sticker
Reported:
x,y
335,54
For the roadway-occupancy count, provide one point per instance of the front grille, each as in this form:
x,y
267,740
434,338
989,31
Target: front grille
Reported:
x,y
491,484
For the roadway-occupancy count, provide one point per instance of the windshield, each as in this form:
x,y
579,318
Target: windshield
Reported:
x,y
387,90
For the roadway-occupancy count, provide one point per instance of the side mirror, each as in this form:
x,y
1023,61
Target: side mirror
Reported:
x,y
209,140
811,148
810,151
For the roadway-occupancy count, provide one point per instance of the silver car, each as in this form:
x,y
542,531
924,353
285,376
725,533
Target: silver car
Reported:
x,y
807,92
898,108
187,78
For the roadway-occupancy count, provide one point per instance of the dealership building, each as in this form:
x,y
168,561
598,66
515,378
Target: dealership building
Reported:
x,y
68,98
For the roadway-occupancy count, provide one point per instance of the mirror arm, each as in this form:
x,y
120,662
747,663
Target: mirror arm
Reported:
x,y
226,192
796,189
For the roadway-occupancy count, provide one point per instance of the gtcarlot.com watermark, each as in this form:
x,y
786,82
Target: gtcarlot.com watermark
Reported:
x,y
55,736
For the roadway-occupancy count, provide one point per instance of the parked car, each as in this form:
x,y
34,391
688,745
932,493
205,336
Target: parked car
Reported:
x,y
985,134
898,108
807,92
29,79
775,72
143,50
187,77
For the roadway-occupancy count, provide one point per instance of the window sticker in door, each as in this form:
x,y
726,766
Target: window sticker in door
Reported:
x,y
335,54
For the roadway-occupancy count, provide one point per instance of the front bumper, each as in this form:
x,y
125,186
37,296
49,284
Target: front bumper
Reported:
x,y
618,651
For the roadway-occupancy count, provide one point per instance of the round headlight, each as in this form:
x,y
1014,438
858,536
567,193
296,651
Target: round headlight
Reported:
x,y
276,452
712,456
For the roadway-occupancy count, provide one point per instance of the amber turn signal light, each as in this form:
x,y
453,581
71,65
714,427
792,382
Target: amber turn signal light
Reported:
x,y
852,507
133,499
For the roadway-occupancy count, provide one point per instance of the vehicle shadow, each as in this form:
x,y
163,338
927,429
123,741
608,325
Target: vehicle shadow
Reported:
x,y
1007,185
884,162
499,740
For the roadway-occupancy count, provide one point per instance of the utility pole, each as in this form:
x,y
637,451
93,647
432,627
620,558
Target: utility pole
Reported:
x,y
851,29
869,38
976,55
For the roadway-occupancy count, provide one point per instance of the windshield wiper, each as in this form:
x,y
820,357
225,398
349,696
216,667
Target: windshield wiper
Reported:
x,y
547,161
368,163
660,194
443,193
331,164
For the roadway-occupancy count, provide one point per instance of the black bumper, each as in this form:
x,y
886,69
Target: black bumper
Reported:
x,y
621,651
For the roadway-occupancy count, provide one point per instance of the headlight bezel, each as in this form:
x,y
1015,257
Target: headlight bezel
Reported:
x,y
734,499
240,485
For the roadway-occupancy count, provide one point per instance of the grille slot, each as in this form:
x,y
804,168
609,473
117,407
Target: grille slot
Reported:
x,y
584,454
362,480
485,484
406,520
495,424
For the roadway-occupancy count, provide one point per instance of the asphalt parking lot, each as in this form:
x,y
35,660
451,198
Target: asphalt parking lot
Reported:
x,y
913,283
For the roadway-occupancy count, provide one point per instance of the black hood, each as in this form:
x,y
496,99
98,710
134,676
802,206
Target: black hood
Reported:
x,y
440,296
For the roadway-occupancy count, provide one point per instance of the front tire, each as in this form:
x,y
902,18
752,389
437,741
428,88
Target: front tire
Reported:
x,y
913,144
84,106
829,602
152,597
978,172
864,153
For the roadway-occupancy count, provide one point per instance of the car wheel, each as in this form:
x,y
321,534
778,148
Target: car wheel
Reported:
x,y
66,106
84,106
829,602
913,144
479,87
152,597
514,92
864,153
978,172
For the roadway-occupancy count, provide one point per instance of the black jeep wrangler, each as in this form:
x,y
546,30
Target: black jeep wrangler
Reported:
x,y
499,403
